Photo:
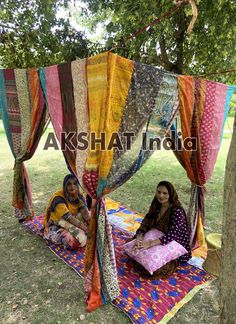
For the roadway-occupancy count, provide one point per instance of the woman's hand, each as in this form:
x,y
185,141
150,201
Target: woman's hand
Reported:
x,y
147,244
144,244
86,214
139,239
78,223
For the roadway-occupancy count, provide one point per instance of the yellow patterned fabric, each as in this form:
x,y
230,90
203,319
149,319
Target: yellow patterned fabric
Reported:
x,y
119,77
109,78
61,208
201,251
129,221
97,85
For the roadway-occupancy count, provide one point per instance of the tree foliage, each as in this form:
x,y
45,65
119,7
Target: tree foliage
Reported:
x,y
210,47
31,34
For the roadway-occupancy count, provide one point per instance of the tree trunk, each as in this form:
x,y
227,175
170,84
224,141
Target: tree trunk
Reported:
x,y
228,264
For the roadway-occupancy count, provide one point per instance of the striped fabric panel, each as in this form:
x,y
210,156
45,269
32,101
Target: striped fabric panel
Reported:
x,y
80,86
13,110
53,95
68,113
4,109
24,105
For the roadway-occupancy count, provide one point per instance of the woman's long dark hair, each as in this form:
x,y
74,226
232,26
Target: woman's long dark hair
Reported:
x,y
173,197
163,222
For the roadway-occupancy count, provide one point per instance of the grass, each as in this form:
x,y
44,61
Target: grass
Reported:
x,y
36,287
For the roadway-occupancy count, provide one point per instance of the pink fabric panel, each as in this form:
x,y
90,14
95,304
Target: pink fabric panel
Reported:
x,y
90,181
54,99
207,120
217,125
206,126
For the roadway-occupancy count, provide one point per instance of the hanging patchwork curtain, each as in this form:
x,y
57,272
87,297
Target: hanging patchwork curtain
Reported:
x,y
57,86
203,107
111,100
109,115
122,98
108,81
24,117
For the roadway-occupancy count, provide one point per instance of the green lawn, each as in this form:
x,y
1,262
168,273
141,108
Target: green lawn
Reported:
x,y
36,287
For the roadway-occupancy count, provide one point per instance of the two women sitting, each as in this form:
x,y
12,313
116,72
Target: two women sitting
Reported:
x,y
67,218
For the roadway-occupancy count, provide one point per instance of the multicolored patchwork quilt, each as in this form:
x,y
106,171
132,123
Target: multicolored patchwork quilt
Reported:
x,y
143,300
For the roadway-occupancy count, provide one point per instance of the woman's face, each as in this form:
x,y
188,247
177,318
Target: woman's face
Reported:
x,y
72,187
162,195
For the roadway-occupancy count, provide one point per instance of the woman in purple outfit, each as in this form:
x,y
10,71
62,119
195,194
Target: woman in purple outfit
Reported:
x,y
168,216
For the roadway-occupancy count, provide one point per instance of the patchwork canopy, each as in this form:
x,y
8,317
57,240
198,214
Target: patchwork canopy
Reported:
x,y
108,114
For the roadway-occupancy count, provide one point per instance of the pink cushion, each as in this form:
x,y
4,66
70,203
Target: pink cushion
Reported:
x,y
155,257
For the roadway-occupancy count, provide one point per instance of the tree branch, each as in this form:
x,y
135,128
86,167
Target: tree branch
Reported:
x,y
157,59
164,57
180,38
8,27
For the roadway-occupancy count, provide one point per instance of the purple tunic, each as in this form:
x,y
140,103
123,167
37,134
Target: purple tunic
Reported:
x,y
176,230
179,232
